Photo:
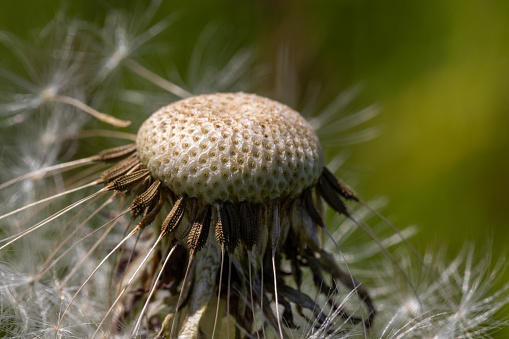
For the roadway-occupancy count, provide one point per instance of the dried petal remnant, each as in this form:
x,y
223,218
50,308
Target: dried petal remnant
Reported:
x,y
231,147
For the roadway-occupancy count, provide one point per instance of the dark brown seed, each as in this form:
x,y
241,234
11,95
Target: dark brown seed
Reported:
x,y
259,222
200,230
331,197
230,226
339,186
175,216
247,225
153,211
328,263
303,300
276,228
220,234
309,204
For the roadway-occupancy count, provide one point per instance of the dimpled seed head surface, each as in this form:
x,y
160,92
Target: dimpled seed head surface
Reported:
x,y
231,147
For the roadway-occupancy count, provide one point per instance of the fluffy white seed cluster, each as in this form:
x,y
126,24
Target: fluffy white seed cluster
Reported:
x,y
231,147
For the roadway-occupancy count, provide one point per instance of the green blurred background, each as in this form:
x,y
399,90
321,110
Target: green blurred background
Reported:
x,y
438,69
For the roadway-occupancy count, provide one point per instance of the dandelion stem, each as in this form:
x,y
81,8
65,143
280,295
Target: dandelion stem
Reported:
x,y
75,243
61,243
219,291
276,233
51,218
152,291
191,257
101,133
228,294
251,290
49,199
156,79
261,293
128,283
368,231
48,170
78,104
95,270
97,243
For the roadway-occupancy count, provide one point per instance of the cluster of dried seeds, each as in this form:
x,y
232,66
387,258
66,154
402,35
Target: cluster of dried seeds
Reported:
x,y
246,166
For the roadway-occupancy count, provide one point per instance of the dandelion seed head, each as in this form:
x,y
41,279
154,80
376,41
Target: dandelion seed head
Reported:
x,y
231,147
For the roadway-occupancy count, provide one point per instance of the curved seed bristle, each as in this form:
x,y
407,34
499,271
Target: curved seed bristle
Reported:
x,y
389,255
200,230
175,216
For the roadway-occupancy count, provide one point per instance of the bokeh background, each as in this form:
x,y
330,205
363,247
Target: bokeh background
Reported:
x,y
438,70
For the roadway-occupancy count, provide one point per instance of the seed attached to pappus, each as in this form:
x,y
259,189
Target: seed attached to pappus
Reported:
x,y
236,179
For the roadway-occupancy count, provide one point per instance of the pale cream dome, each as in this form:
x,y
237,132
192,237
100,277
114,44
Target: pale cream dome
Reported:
x,y
231,147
